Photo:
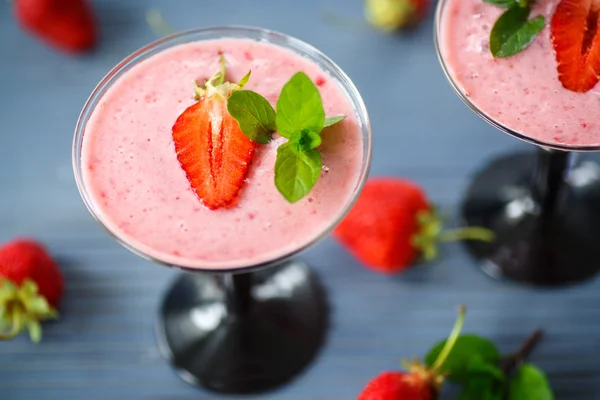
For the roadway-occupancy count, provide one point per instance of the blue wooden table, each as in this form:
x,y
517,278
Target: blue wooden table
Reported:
x,y
104,348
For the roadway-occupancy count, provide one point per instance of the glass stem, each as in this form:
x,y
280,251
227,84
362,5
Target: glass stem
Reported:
x,y
238,292
549,178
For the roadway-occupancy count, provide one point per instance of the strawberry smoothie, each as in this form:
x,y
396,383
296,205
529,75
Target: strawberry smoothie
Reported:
x,y
141,194
521,92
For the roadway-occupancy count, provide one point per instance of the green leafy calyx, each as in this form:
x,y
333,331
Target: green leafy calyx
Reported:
x,y
216,85
430,233
23,307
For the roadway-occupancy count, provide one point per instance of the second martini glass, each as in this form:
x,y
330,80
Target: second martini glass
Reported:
x,y
543,208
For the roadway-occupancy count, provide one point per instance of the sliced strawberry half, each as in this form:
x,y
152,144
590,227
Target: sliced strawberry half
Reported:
x,y
577,43
211,148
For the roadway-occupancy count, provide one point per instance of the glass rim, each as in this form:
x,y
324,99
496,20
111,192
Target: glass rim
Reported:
x,y
274,37
436,37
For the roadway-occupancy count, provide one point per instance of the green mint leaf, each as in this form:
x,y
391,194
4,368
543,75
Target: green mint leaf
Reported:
x,y
530,383
333,120
478,368
466,349
513,31
254,115
296,172
299,107
485,381
502,3
481,388
305,140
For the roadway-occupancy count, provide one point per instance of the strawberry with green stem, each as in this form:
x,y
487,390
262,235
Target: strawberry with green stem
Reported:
x,y
31,286
419,382
470,361
393,224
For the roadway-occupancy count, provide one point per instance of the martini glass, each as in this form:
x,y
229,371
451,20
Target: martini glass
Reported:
x,y
247,329
543,206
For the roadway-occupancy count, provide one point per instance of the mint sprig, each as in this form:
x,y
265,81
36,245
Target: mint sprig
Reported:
x,y
300,118
513,31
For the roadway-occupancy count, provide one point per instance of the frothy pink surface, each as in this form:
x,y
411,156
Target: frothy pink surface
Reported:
x,y
521,92
140,192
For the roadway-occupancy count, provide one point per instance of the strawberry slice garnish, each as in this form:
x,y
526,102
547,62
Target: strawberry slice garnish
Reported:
x,y
211,148
577,43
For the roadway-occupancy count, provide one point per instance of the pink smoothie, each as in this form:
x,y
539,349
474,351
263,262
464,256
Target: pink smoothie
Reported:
x,y
141,193
521,92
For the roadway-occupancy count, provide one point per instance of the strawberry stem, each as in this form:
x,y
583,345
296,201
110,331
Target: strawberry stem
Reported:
x,y
517,357
454,334
219,77
467,233
431,232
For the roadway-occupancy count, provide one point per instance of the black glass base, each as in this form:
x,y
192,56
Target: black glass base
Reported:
x,y
243,345
534,245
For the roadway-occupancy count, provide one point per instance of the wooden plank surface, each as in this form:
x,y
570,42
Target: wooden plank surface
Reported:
x,y
103,348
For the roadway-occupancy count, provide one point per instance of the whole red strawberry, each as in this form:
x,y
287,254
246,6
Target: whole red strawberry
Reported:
x,y
391,15
67,25
31,286
380,227
392,224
